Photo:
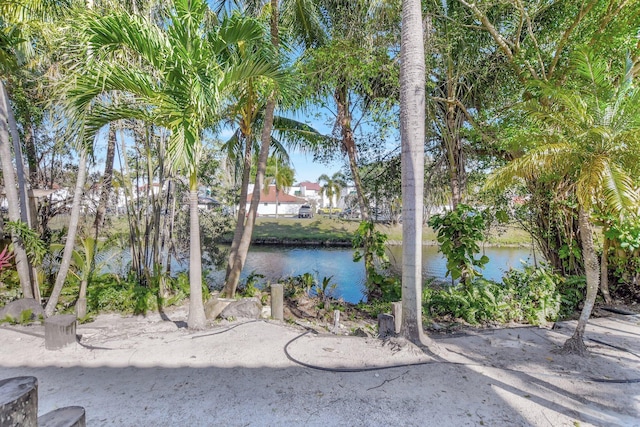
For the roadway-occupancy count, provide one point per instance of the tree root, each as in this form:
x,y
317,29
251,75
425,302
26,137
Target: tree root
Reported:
x,y
574,345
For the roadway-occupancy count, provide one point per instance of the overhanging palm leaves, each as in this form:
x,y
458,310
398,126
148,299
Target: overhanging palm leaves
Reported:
x,y
586,135
177,76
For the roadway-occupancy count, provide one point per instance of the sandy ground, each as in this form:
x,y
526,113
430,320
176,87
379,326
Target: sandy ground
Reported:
x,y
140,371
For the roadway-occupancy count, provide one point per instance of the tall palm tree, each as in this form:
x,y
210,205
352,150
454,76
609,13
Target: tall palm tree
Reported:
x,y
179,78
332,187
247,113
412,131
301,17
589,137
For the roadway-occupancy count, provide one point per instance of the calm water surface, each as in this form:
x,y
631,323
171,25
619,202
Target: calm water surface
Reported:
x,y
275,262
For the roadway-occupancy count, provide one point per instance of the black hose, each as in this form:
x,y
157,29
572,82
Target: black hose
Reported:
x,y
372,368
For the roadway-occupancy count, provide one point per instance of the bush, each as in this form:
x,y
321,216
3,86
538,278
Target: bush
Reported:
x,y
530,296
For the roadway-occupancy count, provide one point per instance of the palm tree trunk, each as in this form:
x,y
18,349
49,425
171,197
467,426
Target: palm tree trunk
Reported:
x,y
65,263
242,208
604,270
243,248
107,179
412,130
196,318
575,344
11,192
235,267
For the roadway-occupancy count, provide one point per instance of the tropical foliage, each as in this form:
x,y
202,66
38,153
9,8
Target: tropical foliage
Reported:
x,y
544,95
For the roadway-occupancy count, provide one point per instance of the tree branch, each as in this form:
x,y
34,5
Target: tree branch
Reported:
x,y
565,36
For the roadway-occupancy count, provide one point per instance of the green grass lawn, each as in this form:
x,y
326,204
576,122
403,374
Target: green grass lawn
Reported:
x,y
323,228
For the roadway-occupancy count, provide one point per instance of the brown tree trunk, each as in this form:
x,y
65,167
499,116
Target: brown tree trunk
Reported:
x,y
349,146
575,344
235,267
242,208
243,247
65,263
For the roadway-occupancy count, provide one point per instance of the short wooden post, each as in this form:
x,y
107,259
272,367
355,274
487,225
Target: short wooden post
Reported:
x,y
396,310
59,331
386,325
19,402
336,321
277,301
70,416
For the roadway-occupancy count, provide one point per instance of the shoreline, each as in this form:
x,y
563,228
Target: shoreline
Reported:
x,y
274,241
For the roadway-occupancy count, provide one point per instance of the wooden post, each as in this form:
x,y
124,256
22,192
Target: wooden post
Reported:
x,y
336,321
19,402
386,325
59,331
396,310
277,301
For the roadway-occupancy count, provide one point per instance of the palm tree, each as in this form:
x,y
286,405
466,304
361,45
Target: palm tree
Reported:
x,y
588,137
247,112
332,187
301,15
179,78
412,131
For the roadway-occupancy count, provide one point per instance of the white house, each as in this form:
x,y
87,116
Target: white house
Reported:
x,y
281,203
312,191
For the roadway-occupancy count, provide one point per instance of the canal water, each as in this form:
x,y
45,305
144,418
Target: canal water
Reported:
x,y
275,262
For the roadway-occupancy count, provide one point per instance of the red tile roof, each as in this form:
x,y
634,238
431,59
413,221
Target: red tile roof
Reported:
x,y
310,185
282,197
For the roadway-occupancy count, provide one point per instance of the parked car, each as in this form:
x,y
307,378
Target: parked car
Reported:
x,y
305,211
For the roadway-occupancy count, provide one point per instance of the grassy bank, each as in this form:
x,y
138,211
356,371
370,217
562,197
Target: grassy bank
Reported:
x,y
320,229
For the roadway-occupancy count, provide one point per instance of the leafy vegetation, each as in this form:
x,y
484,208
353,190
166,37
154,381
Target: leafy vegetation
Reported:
x,y
528,296
459,233
545,95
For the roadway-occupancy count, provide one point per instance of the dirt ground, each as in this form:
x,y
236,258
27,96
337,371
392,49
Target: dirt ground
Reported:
x,y
146,371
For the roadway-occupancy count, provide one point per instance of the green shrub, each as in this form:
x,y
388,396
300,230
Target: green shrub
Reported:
x,y
459,232
572,293
529,295
249,288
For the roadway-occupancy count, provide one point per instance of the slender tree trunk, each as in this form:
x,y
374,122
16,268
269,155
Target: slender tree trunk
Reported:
x,y
11,192
32,156
575,344
242,208
34,182
65,263
27,206
243,248
105,191
235,268
196,318
412,131
349,146
107,179
604,271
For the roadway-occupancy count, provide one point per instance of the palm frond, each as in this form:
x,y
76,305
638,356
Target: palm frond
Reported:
x,y
619,190
545,158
